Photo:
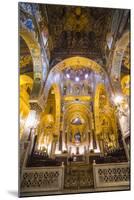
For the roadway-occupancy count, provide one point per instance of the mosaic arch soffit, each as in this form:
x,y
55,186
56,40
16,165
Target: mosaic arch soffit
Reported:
x,y
117,59
34,50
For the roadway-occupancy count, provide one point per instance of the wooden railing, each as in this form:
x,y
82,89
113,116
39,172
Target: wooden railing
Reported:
x,y
111,175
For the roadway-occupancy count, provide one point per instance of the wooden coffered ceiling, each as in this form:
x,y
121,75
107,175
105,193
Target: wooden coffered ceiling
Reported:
x,y
78,30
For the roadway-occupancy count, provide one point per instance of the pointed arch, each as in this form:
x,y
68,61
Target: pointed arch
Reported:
x,y
74,62
57,96
120,48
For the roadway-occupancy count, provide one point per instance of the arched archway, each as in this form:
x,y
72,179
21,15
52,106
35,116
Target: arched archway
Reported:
x,y
26,84
52,108
78,121
49,127
121,86
56,92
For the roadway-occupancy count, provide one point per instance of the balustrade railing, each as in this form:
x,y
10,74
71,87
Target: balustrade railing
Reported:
x,y
57,178
111,175
42,179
